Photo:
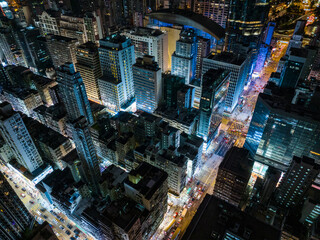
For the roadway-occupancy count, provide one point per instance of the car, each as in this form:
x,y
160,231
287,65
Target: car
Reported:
x,y
16,186
180,212
32,202
22,195
175,214
68,232
61,219
61,227
72,238
77,231
180,219
23,189
171,234
11,179
43,209
45,217
69,226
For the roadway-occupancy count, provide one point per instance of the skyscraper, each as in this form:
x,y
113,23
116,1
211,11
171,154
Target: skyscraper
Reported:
x,y
15,217
233,176
203,50
238,67
171,85
246,21
214,90
216,10
73,93
117,57
293,68
147,83
16,135
62,49
93,28
280,130
88,64
151,42
185,57
297,181
87,153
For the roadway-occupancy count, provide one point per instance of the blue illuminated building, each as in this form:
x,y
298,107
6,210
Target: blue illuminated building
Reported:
x,y
73,93
184,59
147,83
280,130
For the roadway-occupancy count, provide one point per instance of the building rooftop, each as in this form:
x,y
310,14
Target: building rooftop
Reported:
x,y
144,31
146,179
71,157
214,78
280,101
237,161
227,57
147,62
217,219
44,134
90,47
113,175
124,213
115,42
58,38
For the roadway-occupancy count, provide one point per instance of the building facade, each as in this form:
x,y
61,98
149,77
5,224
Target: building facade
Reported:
x,y
73,93
117,57
88,64
147,83
148,41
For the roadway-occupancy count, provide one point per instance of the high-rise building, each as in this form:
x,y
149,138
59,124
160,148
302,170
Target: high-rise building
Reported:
x,y
147,83
73,27
117,57
148,41
15,218
184,59
88,64
233,176
297,36
171,85
297,181
154,197
216,10
93,26
87,153
185,97
246,22
16,135
48,22
73,93
203,45
38,49
62,49
238,67
280,129
228,222
293,67
214,90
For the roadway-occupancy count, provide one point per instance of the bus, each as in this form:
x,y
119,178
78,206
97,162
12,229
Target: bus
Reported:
x,y
184,212
170,225
176,234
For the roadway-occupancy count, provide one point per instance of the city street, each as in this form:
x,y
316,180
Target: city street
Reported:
x,y
181,209
232,132
41,210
